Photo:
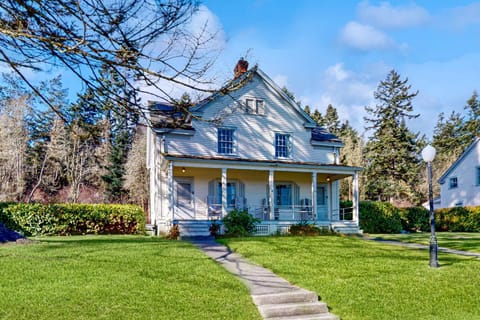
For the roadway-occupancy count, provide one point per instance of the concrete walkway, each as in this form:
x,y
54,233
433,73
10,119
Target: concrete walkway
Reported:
x,y
424,246
275,297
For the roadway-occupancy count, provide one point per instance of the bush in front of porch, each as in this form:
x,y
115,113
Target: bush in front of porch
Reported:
x,y
239,223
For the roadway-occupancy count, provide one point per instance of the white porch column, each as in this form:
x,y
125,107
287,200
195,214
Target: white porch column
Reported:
x,y
355,198
224,192
271,194
314,195
171,190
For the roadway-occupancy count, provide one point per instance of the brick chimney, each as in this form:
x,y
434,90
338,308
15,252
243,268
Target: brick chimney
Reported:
x,y
240,68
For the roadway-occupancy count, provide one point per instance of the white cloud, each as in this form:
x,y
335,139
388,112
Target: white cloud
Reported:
x,y
207,26
337,72
348,91
364,37
386,16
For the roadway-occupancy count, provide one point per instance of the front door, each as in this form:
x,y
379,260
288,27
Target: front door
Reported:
x,y
184,199
322,202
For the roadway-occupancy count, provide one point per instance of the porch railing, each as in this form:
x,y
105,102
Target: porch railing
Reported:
x,y
282,213
346,214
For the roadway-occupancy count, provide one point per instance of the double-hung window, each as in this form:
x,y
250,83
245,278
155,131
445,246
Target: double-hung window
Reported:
x,y
453,183
255,106
226,141
283,145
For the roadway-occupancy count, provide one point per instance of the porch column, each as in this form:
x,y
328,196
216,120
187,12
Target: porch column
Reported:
x,y
224,192
171,190
314,195
271,194
355,198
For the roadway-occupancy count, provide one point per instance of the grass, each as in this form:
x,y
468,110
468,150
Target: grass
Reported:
x,y
117,277
361,279
465,241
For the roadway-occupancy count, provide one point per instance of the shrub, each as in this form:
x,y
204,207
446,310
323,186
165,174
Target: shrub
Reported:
x,y
379,217
5,218
304,228
174,232
239,223
346,203
415,219
215,228
66,219
458,219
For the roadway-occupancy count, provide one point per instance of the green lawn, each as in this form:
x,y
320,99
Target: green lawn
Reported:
x,y
117,277
466,241
365,280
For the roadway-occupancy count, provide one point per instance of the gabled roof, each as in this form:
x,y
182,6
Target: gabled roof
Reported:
x,y
457,162
241,81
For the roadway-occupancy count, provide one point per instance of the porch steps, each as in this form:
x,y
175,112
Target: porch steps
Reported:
x,y
194,230
347,227
292,304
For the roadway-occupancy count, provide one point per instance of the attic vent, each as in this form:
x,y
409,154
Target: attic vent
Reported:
x,y
240,68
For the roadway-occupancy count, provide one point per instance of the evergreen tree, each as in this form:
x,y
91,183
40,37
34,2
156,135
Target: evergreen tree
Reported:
x,y
391,151
318,118
331,121
472,123
307,110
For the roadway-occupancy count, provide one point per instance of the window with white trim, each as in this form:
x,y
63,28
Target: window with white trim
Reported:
x,y
453,183
226,141
478,176
255,106
283,145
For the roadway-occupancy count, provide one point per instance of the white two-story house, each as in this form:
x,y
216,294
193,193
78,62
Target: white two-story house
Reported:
x,y
248,146
460,184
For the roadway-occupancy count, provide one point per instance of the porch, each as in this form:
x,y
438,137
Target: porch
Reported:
x,y
279,194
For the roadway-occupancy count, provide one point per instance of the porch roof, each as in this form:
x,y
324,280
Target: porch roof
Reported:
x,y
335,171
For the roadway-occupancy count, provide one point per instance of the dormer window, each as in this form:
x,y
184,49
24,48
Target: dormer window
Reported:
x,y
283,145
226,141
255,106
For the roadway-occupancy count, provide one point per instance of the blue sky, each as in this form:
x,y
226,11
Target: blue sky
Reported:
x,y
338,51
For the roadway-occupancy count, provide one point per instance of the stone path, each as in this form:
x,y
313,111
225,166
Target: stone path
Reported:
x,y
275,297
424,246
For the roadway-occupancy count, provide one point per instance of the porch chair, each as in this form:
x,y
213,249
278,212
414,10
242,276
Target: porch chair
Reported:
x,y
214,210
306,209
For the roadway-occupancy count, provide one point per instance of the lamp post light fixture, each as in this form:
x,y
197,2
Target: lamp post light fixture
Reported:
x,y
428,154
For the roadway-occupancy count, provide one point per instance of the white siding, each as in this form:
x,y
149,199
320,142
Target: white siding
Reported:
x,y
255,133
468,191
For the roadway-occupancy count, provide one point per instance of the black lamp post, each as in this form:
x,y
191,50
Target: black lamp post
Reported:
x,y
428,154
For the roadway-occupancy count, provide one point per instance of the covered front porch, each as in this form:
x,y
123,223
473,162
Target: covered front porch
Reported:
x,y
279,194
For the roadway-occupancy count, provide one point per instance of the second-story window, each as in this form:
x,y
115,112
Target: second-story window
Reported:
x,y
226,141
283,145
255,106
453,183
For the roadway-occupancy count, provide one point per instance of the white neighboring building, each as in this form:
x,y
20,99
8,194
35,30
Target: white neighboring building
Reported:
x,y
460,184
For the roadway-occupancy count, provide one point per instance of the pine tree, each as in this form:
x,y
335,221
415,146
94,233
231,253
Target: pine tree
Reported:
x,y
331,121
472,123
391,151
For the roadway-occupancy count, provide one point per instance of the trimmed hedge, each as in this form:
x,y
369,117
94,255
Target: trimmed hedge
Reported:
x,y
415,219
379,217
67,219
458,219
